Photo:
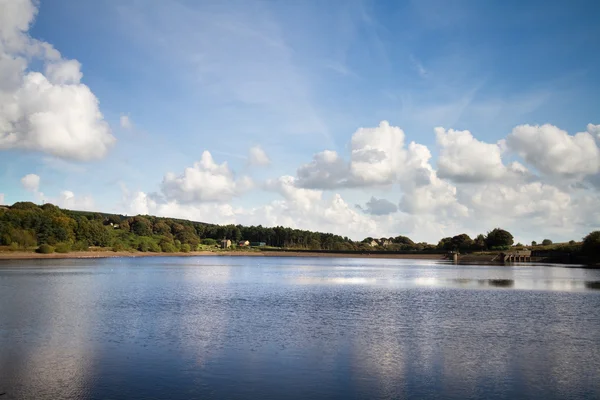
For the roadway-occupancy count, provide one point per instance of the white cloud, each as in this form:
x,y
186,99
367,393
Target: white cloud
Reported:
x,y
64,72
66,198
594,130
465,159
204,181
125,122
31,182
51,112
257,156
69,200
308,209
485,192
379,207
554,152
378,154
326,171
378,157
528,200
423,191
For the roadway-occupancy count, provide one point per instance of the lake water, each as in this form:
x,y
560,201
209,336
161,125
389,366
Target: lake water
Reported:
x,y
299,328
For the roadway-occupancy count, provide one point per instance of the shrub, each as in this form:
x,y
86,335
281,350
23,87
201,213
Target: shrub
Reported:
x,y
63,248
208,242
143,246
118,247
185,248
154,247
80,246
14,246
45,249
167,247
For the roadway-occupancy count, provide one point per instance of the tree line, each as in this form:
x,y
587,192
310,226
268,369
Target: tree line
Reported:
x,y
25,225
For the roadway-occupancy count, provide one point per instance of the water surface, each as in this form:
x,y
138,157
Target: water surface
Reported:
x,y
318,328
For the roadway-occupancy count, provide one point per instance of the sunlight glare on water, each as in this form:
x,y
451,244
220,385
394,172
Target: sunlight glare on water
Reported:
x,y
269,328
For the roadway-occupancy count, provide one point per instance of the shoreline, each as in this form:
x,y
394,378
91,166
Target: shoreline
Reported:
x,y
22,255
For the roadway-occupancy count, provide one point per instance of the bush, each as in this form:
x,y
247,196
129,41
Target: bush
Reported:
x,y
154,247
45,249
208,242
14,246
546,242
118,247
185,248
63,248
167,247
143,246
80,246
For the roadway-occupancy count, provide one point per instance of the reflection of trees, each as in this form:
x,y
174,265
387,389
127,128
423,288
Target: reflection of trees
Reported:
x,y
593,285
501,282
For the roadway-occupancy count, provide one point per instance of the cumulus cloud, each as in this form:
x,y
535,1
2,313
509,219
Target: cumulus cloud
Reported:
x,y
309,209
205,181
472,190
379,207
378,154
554,152
528,200
68,199
326,171
31,182
378,157
257,156
465,159
51,112
594,130
126,122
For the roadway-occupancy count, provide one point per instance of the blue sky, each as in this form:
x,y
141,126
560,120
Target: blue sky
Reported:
x,y
299,78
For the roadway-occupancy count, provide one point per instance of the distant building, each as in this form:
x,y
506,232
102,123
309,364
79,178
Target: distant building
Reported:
x,y
373,243
243,243
225,243
258,244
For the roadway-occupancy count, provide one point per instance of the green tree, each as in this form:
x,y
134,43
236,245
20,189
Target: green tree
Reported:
x,y
23,237
462,242
591,245
479,242
445,244
546,242
534,243
141,226
498,238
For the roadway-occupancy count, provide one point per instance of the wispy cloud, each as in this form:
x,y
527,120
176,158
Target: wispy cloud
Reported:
x,y
237,57
418,66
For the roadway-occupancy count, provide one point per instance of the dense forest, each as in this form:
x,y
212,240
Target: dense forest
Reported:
x,y
47,228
